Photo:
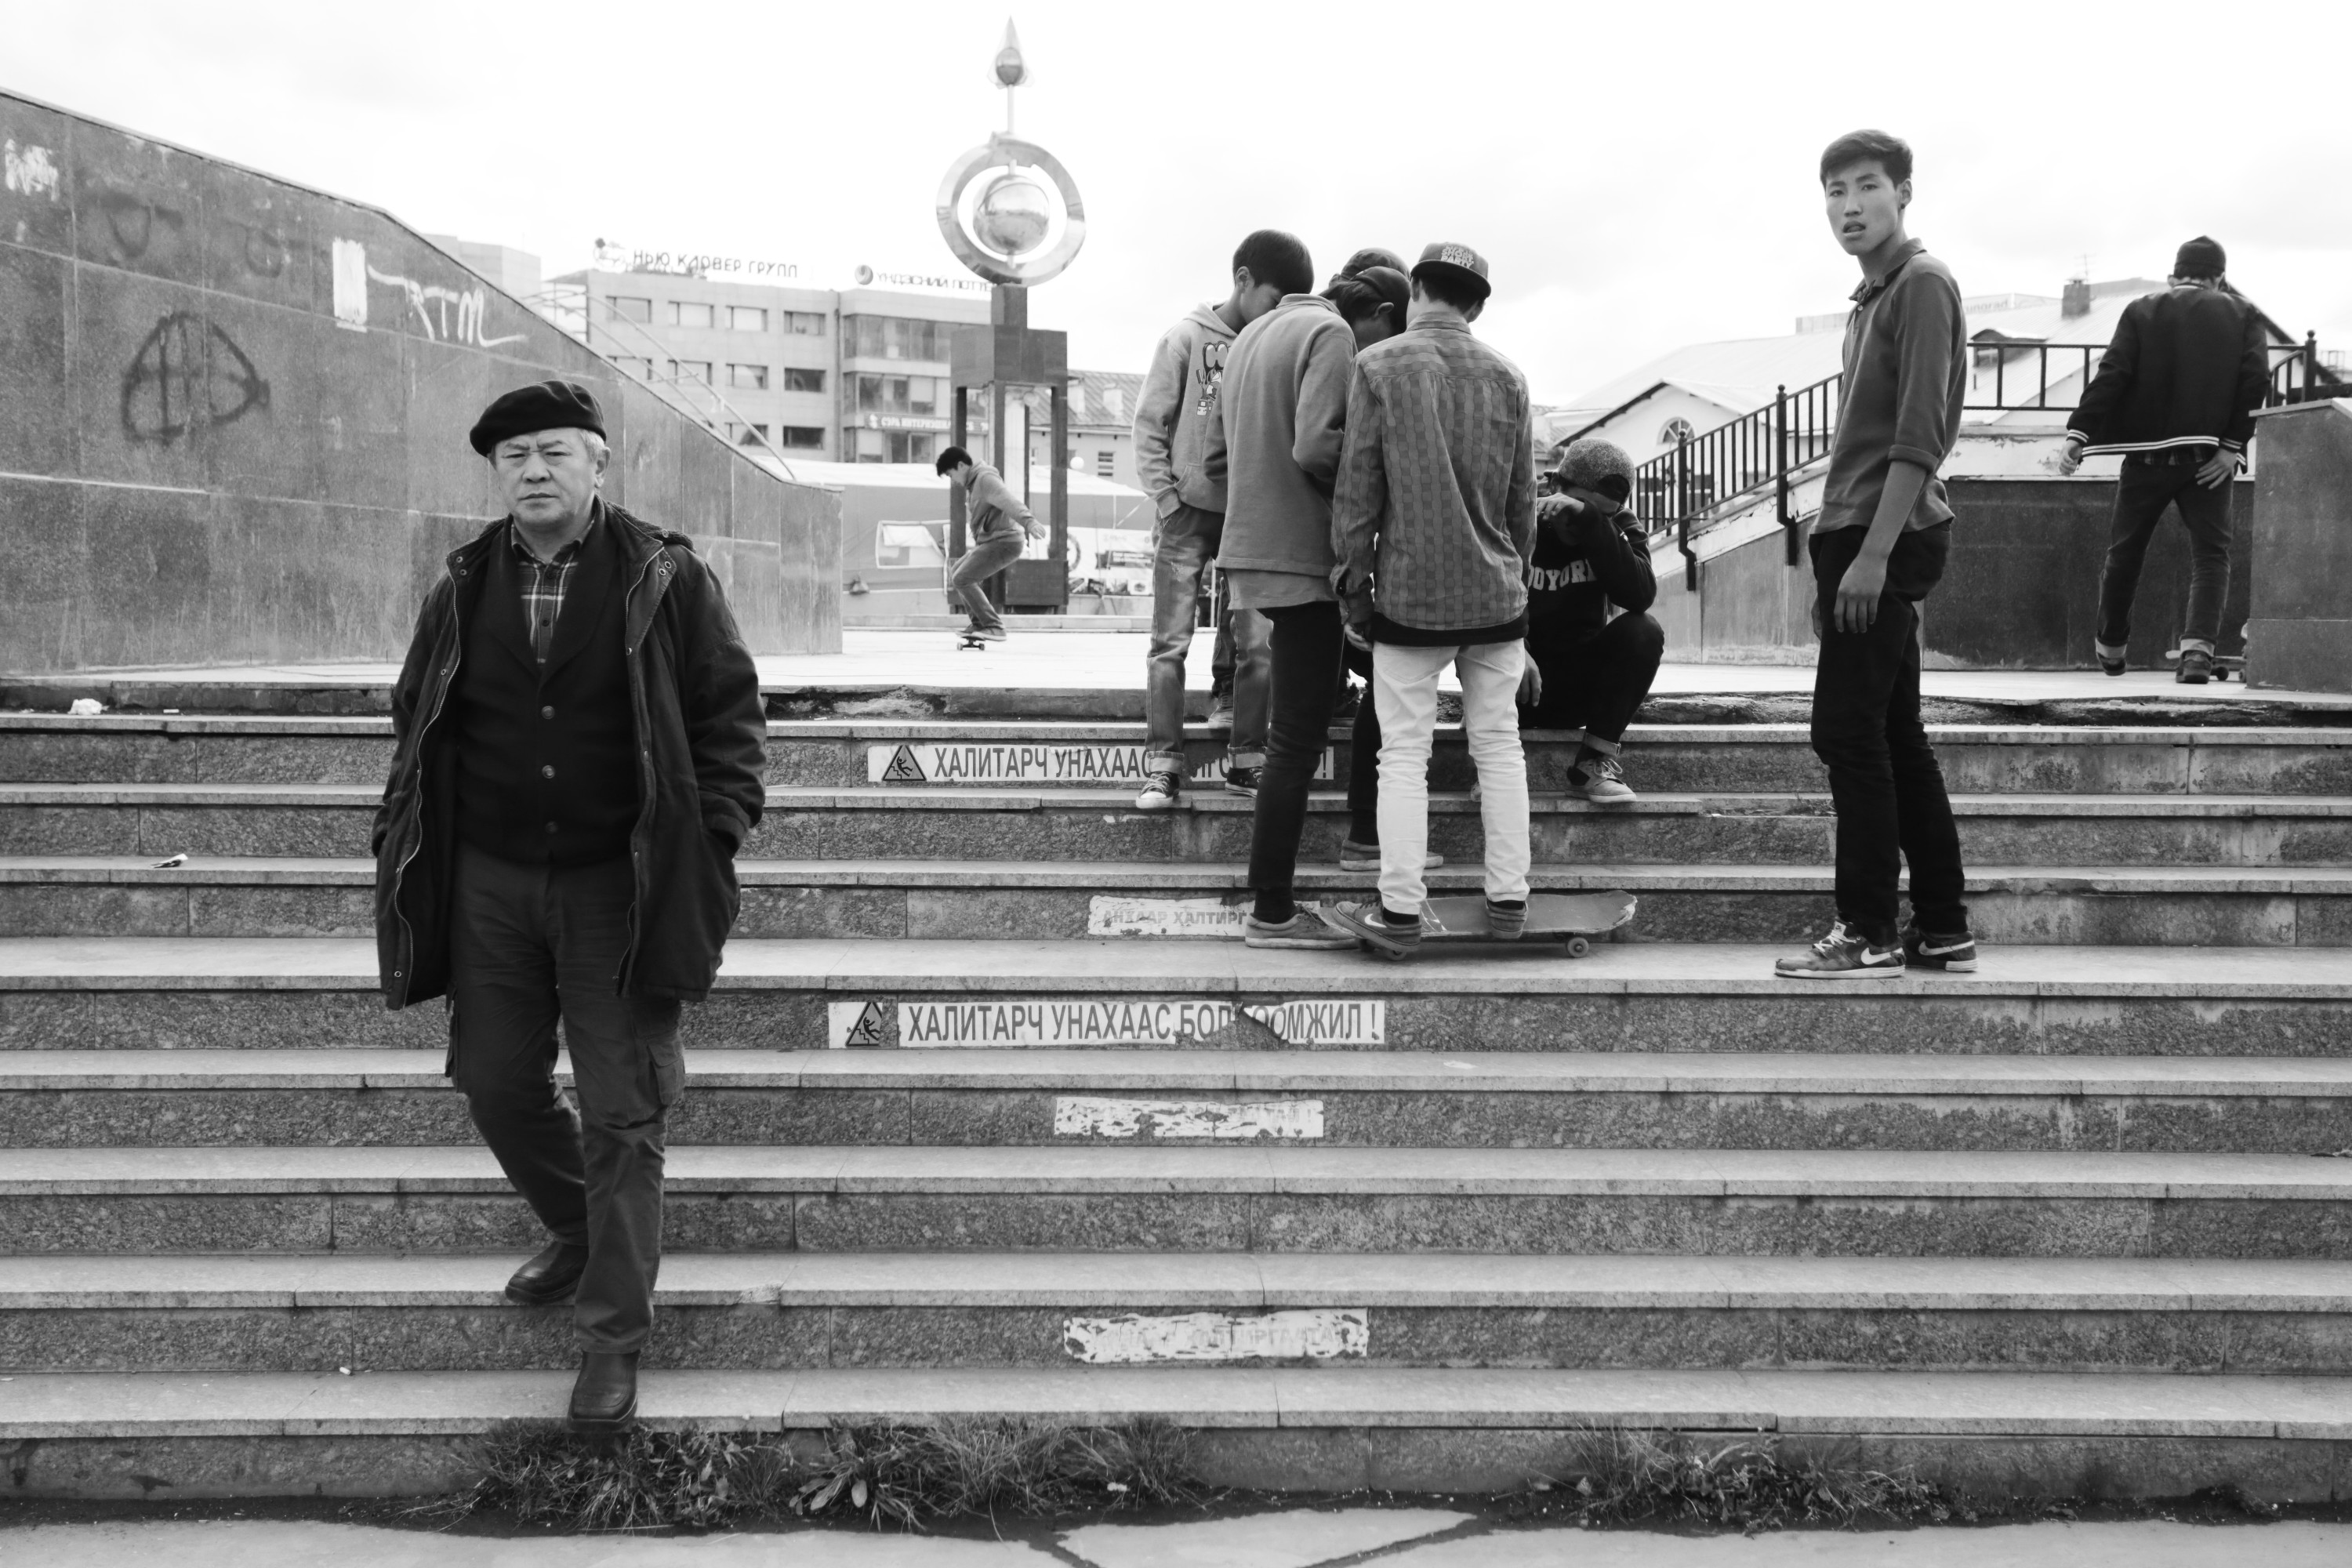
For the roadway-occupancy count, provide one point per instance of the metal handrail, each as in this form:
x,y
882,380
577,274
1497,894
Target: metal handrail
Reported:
x,y
1744,457
2294,368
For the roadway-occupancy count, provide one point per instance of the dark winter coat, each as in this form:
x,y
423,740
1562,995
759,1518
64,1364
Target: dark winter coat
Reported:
x,y
701,736
2186,368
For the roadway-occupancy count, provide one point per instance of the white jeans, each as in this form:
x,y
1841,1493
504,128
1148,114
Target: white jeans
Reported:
x,y
1405,695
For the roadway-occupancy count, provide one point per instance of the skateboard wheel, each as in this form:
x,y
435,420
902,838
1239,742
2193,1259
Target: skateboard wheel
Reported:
x,y
1390,956
1578,947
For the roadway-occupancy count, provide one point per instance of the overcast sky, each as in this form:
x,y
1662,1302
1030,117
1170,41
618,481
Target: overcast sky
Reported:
x,y
1639,177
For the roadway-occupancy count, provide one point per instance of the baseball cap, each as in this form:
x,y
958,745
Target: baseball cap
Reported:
x,y
1459,262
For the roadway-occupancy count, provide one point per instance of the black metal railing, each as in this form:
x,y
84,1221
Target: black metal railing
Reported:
x,y
2052,378
1754,453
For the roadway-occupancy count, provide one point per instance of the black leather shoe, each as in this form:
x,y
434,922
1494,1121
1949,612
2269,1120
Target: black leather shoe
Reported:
x,y
605,1398
550,1278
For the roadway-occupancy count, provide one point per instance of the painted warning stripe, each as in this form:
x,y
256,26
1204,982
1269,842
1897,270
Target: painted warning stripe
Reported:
x,y
980,763
1096,1021
1092,1116
1316,1334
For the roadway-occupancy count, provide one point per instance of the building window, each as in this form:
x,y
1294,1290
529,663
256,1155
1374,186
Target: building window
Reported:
x,y
911,446
810,437
747,435
686,313
622,308
805,323
755,376
896,337
643,369
1676,431
690,370
898,394
747,317
1104,463
799,380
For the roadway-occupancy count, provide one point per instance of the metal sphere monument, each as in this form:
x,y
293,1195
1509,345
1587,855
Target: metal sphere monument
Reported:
x,y
1010,211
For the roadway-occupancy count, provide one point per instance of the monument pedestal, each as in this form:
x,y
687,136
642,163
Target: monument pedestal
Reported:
x,y
2299,620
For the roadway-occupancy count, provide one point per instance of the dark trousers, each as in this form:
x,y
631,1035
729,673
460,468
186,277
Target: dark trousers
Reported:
x,y
1363,748
2142,492
1305,645
531,946
1595,681
1892,808
984,560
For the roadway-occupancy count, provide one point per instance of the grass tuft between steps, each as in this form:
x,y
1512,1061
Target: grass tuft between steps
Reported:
x,y
1628,1476
901,1475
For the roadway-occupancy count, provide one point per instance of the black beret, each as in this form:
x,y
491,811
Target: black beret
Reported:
x,y
542,406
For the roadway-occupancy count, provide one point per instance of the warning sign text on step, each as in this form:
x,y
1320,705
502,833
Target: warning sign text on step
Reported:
x,y
1041,1021
990,763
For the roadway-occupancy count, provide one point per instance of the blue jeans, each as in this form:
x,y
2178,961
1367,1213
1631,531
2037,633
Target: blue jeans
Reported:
x,y
1183,545
984,560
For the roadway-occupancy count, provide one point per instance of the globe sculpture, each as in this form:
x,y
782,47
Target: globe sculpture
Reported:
x,y
1012,215
1003,235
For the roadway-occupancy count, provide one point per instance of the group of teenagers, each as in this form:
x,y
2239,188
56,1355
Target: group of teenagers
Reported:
x,y
1360,468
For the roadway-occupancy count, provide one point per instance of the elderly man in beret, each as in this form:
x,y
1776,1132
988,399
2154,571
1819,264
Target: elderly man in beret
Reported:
x,y
580,740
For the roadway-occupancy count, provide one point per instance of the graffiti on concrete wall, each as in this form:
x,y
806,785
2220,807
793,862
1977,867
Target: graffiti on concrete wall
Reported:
x,y
443,314
187,376
262,249
135,224
29,171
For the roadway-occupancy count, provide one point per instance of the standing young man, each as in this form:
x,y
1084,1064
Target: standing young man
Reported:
x,y
1172,422
1276,445
1433,524
995,521
1878,547
2175,394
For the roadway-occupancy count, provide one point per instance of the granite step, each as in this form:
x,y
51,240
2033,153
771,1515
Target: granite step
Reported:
x,y
302,993
1050,824
1665,757
1312,1429
1051,1311
1232,1199
256,896
1057,1099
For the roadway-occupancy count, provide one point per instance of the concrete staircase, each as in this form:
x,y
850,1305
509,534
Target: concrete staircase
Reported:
x,y
2055,1226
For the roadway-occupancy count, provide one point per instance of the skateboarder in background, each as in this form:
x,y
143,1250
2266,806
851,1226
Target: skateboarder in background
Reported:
x,y
1878,547
1431,523
1586,670
997,521
2175,394
1171,434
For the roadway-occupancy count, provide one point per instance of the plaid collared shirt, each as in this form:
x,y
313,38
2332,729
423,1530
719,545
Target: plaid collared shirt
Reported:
x,y
543,583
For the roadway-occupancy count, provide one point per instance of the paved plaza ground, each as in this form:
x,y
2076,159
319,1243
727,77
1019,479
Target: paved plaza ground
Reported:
x,y
1399,1537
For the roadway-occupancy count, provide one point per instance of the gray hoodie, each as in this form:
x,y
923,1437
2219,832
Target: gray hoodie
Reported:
x,y
1278,437
1178,405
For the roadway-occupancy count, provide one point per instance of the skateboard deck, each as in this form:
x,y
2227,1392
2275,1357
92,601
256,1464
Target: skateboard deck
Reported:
x,y
1566,917
2223,663
973,644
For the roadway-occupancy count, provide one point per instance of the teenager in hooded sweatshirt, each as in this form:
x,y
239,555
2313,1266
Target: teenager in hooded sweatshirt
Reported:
x,y
1276,445
1172,420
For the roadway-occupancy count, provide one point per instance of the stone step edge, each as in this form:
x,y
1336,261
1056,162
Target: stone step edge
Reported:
x,y
1132,1073
1095,1170
1218,877
1137,969
1245,1282
212,1405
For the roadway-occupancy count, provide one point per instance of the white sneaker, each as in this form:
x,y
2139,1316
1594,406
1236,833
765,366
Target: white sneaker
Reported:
x,y
1605,782
1161,791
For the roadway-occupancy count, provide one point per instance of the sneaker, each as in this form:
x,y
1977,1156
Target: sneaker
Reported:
x,y
1843,955
2195,667
1369,924
1599,779
1301,930
1354,857
2111,660
1241,782
1221,708
1507,921
985,633
1160,790
1952,954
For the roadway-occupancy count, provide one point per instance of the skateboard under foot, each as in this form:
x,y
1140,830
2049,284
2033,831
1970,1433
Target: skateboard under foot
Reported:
x,y
1570,919
969,642
2223,663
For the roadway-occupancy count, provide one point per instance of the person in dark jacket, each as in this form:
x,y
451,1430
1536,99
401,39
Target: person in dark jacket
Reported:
x,y
1586,670
579,750
2175,394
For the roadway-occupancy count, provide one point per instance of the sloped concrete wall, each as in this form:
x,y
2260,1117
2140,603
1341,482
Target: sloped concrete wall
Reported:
x,y
233,415
2300,633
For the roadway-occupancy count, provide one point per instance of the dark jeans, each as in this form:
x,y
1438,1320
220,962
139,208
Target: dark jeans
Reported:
x,y
1892,808
1595,681
2142,492
1363,750
530,945
984,560
1306,642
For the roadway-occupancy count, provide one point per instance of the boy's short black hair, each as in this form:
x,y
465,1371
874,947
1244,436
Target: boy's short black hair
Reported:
x,y
1448,287
1889,152
1276,257
949,459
